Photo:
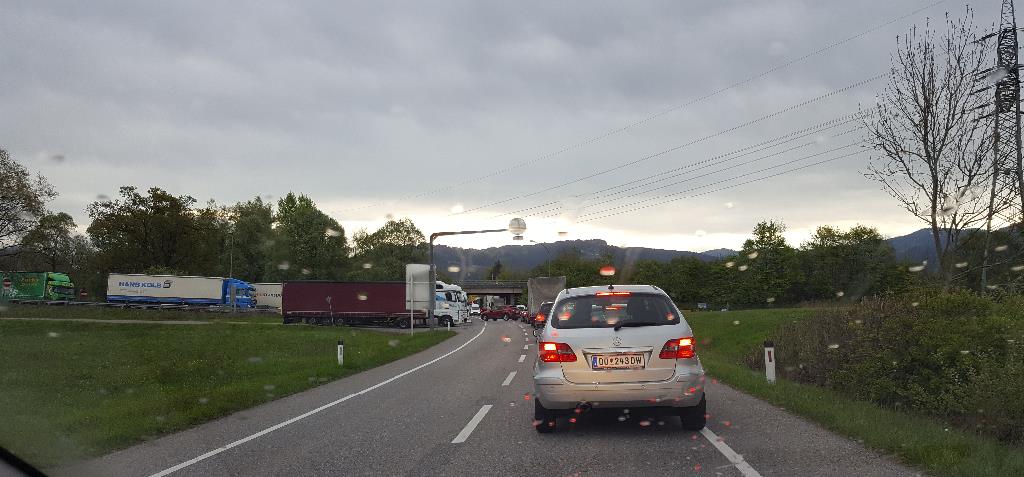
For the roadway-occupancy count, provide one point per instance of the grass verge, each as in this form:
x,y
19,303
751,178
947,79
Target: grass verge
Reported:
x,y
924,443
70,391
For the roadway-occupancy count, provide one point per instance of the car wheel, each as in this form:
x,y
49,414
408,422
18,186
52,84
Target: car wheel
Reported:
x,y
543,418
695,417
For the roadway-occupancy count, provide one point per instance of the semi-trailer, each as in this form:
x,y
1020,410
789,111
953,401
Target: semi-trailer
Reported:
x,y
179,290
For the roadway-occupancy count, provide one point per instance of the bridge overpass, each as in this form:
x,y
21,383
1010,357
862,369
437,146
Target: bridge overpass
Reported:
x,y
507,289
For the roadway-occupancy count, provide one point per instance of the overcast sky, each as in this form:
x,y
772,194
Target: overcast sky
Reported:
x,y
429,109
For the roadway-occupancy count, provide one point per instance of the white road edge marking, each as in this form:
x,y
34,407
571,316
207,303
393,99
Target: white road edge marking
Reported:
x,y
314,411
471,425
522,358
526,346
736,459
508,379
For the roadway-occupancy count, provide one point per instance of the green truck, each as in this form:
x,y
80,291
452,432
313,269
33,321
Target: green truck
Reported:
x,y
37,286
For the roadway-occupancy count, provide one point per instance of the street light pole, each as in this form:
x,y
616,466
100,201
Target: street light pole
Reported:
x,y
517,226
231,254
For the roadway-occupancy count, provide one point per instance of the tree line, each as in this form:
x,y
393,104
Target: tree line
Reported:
x,y
155,231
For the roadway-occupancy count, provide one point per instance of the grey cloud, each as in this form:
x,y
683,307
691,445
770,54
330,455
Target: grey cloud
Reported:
x,y
359,102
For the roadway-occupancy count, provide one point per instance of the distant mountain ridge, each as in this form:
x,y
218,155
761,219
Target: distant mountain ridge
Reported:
x,y
474,263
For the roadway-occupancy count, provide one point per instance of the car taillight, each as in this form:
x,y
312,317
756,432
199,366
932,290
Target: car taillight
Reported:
x,y
678,348
556,352
541,317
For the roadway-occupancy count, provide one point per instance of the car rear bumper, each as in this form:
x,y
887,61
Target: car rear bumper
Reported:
x,y
685,389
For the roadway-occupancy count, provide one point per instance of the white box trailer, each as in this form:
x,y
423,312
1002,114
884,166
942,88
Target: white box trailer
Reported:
x,y
268,295
184,290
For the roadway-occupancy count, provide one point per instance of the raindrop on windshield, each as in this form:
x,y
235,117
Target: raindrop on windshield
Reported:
x,y
362,296
736,322
394,343
918,268
839,294
622,418
284,266
53,334
203,400
506,339
914,304
454,269
607,271
996,75
833,346
1017,268
332,233
770,299
729,205
960,264
729,264
305,271
457,209
752,255
1001,248
367,265
743,268
645,423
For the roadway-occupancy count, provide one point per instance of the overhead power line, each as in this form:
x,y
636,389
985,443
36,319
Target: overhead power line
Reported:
x,y
675,199
658,114
744,151
681,146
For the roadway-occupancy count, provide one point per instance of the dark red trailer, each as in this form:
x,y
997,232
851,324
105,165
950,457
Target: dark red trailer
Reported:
x,y
356,303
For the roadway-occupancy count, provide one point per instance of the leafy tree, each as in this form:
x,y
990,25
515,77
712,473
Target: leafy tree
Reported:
x,y
308,243
51,240
23,201
138,232
765,267
386,251
850,264
250,237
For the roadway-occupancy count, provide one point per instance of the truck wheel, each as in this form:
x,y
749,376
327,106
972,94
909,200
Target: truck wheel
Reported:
x,y
694,418
543,419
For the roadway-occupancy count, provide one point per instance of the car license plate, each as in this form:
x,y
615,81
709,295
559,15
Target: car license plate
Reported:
x,y
617,361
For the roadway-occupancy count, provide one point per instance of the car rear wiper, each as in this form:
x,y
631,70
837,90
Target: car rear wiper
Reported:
x,y
634,323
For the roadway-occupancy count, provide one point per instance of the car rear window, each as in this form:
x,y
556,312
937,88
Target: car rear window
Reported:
x,y
545,308
610,309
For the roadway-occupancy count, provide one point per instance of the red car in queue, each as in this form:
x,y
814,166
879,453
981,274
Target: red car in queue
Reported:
x,y
499,313
541,317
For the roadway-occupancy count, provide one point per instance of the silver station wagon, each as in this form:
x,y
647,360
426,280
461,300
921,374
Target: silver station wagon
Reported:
x,y
617,346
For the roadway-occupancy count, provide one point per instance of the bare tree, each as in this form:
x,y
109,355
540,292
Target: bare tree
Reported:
x,y
933,146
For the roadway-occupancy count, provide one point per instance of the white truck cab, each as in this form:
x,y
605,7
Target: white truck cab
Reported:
x,y
451,304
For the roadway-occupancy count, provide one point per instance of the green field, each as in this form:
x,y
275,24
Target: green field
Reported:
x,y
70,391
727,338
106,313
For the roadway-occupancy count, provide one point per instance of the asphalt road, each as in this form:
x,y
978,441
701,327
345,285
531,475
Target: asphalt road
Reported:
x,y
402,419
